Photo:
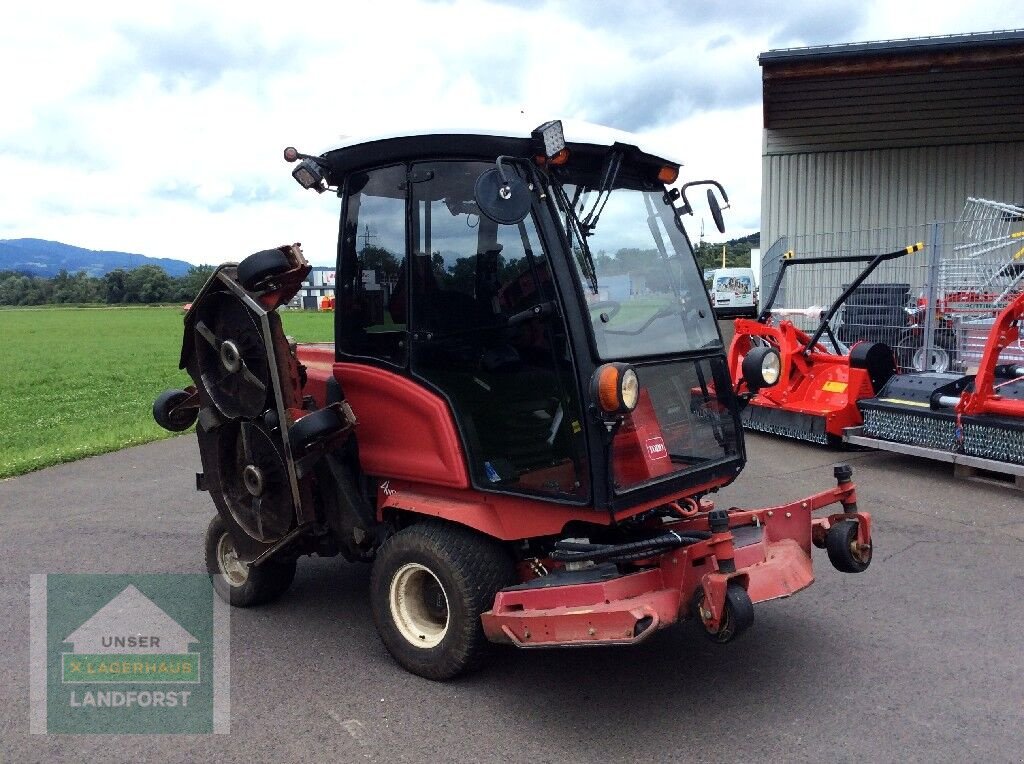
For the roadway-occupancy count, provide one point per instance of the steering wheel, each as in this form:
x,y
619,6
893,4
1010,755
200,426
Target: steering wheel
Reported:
x,y
612,306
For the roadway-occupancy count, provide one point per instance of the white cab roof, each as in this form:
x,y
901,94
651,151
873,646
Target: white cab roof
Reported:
x,y
576,131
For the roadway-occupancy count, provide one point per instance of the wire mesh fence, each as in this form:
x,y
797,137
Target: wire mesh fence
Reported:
x,y
933,305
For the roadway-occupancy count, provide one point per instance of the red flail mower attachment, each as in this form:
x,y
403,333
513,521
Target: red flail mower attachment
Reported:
x,y
821,379
993,379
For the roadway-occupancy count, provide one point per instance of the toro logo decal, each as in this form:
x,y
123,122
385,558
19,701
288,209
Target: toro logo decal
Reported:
x,y
656,448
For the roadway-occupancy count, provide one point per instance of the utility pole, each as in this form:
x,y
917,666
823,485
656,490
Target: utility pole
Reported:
x,y
723,255
366,236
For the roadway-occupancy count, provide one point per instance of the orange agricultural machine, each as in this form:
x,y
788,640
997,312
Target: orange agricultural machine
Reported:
x,y
820,378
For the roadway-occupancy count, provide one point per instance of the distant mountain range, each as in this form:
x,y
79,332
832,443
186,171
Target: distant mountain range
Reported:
x,y
40,257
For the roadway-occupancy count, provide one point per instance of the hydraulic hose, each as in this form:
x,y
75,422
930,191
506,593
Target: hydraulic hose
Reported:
x,y
575,551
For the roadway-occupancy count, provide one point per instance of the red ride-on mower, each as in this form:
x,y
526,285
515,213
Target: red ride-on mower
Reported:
x,y
519,435
819,385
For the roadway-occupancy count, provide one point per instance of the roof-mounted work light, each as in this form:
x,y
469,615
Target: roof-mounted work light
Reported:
x,y
549,138
309,174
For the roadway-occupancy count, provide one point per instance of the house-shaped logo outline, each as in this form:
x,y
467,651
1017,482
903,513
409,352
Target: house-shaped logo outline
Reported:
x,y
130,613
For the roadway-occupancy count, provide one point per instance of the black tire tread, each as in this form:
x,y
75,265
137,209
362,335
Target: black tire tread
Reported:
x,y
260,265
160,411
480,568
265,583
737,601
314,426
837,544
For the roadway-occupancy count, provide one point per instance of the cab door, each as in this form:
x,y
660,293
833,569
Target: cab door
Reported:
x,y
487,334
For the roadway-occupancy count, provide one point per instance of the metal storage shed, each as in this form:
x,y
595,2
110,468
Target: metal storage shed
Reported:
x,y
891,134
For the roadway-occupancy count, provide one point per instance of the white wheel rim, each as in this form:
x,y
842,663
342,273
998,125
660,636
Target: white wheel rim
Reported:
x,y
235,571
937,361
419,605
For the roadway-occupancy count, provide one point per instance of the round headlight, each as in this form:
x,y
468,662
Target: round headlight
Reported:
x,y
630,389
615,389
771,368
762,367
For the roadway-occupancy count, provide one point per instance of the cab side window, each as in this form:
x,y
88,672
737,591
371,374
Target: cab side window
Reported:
x,y
372,301
486,333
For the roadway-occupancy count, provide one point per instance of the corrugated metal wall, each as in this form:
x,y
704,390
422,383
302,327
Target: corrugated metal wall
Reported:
x,y
894,110
849,153
892,188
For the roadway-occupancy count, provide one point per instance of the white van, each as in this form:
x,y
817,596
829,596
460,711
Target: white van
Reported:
x,y
734,292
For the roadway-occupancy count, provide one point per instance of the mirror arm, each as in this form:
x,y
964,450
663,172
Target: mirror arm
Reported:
x,y
687,208
501,169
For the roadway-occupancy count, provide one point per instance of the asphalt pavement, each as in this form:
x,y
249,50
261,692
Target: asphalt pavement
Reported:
x,y
921,658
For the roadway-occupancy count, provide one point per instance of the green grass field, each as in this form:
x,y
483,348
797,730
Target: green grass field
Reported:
x,y
81,381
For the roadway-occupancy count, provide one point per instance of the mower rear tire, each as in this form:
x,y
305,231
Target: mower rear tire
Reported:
x,y
429,584
843,550
738,616
258,267
237,582
167,417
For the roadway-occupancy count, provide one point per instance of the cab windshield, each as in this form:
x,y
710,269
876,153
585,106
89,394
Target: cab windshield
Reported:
x,y
644,294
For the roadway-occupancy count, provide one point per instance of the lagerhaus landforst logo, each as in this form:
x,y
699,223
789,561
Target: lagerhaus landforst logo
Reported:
x,y
128,654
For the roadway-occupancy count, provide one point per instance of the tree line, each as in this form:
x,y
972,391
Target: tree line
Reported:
x,y
143,285
737,252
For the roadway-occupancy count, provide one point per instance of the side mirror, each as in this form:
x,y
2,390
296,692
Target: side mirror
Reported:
x,y
716,211
503,197
716,208
762,367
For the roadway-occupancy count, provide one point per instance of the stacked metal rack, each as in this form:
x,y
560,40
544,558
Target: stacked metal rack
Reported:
x,y
979,277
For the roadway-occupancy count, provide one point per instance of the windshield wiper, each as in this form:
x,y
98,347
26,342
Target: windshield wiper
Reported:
x,y
582,229
573,224
609,174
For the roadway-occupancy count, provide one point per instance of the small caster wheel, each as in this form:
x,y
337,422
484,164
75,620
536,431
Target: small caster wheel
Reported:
x,y
237,582
738,616
846,555
314,428
257,268
168,416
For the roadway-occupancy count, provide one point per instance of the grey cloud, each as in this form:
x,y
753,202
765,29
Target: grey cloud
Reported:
x,y
55,138
660,93
797,21
241,194
195,57
824,25
718,42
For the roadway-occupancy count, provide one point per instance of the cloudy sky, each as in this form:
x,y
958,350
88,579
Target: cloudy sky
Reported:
x,y
157,128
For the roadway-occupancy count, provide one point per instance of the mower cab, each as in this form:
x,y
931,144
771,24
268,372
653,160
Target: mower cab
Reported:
x,y
523,414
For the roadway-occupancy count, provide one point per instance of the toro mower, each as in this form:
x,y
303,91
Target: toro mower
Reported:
x,y
976,420
522,416
822,374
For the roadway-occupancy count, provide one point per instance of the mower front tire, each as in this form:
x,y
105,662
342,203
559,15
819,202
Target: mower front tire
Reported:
x,y
843,551
237,582
429,585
